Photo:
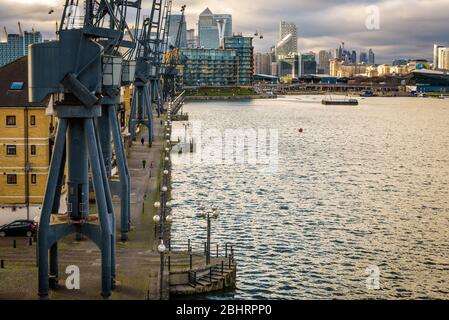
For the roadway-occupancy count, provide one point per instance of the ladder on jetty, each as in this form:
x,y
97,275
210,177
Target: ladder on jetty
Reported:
x,y
215,273
178,103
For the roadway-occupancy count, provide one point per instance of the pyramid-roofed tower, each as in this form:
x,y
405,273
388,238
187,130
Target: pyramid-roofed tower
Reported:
x,y
206,12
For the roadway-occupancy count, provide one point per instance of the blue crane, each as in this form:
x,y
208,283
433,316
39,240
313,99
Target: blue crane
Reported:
x,y
76,71
107,124
172,60
147,84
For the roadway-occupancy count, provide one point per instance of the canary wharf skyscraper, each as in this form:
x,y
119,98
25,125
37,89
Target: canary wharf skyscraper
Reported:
x,y
213,26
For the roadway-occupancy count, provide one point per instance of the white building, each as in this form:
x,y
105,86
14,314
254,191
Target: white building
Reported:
x,y
288,40
436,47
443,58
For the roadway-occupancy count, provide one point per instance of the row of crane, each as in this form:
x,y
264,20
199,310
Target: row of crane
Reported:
x,y
20,30
82,73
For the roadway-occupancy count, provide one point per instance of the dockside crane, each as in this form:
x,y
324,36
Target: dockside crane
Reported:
x,y
147,83
75,71
171,59
121,66
161,50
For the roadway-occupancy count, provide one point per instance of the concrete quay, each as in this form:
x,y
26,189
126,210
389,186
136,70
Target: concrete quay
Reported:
x,y
137,260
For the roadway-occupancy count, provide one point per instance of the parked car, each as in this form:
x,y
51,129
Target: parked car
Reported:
x,y
19,228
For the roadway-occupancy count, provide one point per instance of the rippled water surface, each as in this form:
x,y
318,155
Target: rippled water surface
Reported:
x,y
365,187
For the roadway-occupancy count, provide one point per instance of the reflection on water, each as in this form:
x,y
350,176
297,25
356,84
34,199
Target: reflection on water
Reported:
x,y
365,186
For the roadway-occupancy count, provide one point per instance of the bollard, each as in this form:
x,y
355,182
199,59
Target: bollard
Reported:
x,y
169,263
2,264
169,245
222,267
30,241
217,250
14,244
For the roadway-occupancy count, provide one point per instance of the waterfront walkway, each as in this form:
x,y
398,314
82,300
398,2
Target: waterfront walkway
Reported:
x,y
137,265
137,260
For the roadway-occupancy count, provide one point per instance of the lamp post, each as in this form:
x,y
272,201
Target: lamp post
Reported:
x,y
164,190
165,177
208,240
161,249
207,215
168,217
156,218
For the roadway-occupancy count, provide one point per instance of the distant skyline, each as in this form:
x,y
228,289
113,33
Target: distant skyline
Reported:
x,y
408,28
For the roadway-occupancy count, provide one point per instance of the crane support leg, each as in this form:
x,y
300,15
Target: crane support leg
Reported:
x,y
141,112
123,173
133,119
76,126
44,232
104,204
149,112
104,130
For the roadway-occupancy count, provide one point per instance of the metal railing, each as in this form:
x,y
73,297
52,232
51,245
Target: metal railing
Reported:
x,y
182,255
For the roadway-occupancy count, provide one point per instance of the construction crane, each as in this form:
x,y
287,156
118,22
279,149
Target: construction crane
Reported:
x,y
75,70
171,60
20,29
147,87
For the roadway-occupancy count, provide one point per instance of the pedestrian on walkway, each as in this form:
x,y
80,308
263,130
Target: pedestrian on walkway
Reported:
x,y
144,163
142,140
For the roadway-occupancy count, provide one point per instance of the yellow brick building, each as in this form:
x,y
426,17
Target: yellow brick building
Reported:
x,y
125,97
26,132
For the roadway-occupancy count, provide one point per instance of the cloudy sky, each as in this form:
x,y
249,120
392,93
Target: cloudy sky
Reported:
x,y
407,28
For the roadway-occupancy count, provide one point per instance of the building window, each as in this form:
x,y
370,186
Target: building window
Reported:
x,y
33,150
11,178
11,150
16,86
32,120
33,179
10,120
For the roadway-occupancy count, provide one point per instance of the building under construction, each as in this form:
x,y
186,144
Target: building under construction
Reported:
x,y
16,45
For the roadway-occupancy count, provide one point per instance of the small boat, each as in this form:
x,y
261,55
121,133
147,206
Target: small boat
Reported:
x,y
367,94
344,102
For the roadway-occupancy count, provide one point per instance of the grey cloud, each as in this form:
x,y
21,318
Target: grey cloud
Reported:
x,y
408,27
